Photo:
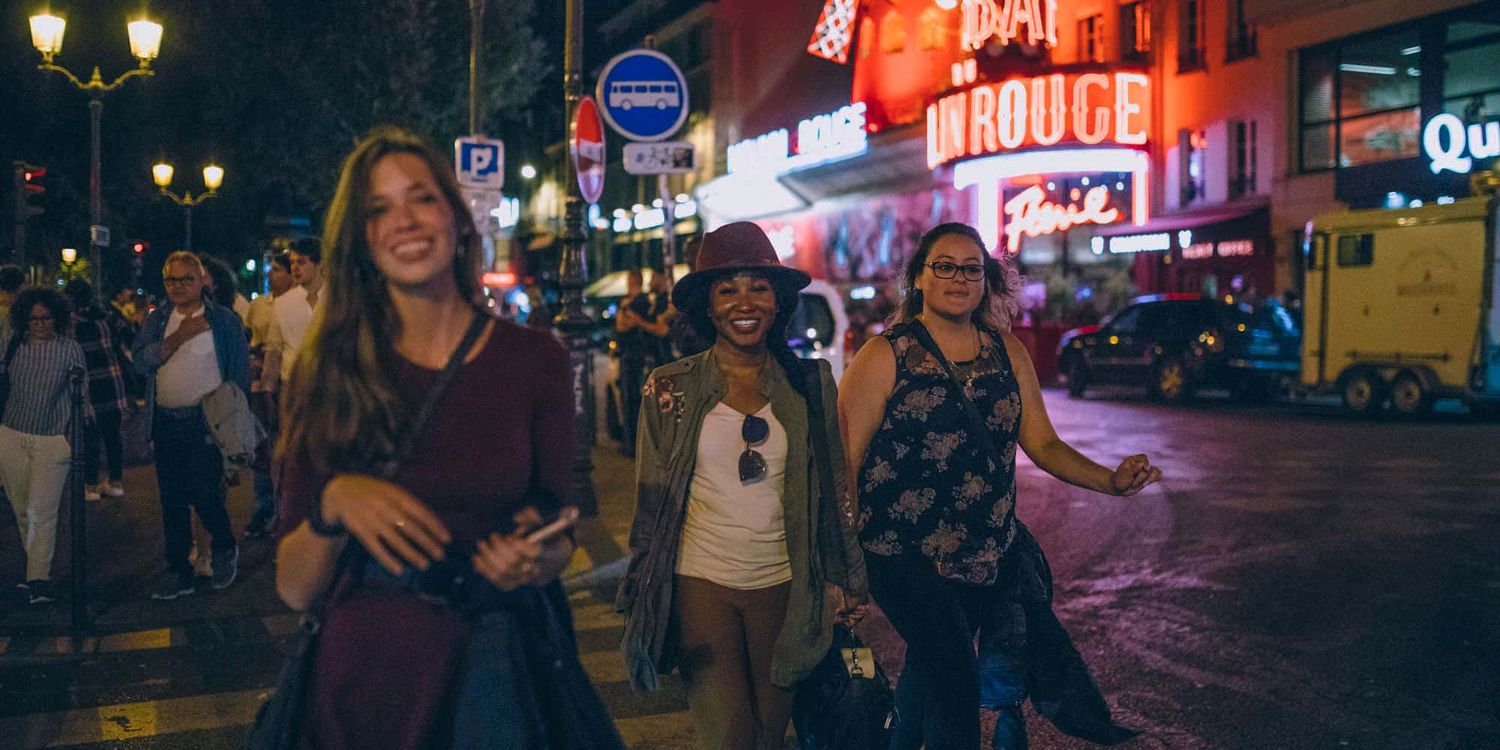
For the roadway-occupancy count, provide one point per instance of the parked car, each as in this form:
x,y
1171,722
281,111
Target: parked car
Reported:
x,y
1174,344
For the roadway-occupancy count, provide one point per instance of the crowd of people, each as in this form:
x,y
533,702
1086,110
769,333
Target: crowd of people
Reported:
x,y
414,509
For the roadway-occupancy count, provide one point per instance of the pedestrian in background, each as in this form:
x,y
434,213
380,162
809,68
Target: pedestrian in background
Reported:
x,y
415,650
294,309
186,349
11,281
34,450
222,287
265,381
103,355
729,587
946,396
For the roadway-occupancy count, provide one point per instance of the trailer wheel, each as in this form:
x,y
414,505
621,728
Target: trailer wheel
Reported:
x,y
1409,397
1078,377
1363,391
1170,381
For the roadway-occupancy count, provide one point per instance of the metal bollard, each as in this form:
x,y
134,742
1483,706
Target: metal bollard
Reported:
x,y
76,503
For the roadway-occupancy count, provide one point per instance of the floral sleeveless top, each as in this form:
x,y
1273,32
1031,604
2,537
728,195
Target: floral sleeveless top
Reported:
x,y
926,487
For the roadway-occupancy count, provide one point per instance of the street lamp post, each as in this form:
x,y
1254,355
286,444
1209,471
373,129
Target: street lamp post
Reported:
x,y
573,323
213,177
145,42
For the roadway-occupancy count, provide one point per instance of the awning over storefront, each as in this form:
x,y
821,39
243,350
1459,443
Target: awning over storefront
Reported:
x,y
1201,219
1210,250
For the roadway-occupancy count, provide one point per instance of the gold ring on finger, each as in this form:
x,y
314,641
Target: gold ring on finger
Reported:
x,y
401,524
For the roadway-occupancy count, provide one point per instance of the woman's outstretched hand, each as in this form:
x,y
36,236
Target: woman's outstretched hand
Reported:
x,y
1133,475
389,522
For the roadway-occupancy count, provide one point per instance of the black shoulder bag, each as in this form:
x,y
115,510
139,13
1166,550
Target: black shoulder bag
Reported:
x,y
280,717
1057,678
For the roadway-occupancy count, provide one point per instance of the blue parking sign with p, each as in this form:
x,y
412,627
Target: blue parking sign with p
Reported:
x,y
480,162
643,95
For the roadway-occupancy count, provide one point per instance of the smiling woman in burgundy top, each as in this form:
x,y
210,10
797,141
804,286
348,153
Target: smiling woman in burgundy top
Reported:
x,y
401,255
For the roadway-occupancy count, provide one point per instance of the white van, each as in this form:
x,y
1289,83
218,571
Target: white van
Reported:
x,y
1400,306
820,327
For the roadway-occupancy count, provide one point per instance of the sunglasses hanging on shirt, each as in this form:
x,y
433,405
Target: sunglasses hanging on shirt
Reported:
x,y
753,465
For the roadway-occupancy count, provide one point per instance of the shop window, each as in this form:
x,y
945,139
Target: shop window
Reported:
x,y
1190,35
1135,30
1242,158
1192,149
930,29
1091,39
1360,101
866,38
892,34
1471,89
1356,250
1240,41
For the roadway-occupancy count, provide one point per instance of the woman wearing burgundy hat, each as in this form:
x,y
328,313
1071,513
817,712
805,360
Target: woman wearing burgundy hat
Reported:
x,y
737,533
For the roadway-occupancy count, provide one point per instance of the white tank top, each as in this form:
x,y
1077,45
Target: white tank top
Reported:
x,y
734,533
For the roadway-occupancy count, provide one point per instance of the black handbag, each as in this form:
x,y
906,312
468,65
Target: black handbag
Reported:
x,y
846,703
280,717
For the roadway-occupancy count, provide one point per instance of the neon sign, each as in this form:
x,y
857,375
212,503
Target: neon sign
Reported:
x,y
1453,147
1133,243
1002,21
837,135
1031,214
1087,108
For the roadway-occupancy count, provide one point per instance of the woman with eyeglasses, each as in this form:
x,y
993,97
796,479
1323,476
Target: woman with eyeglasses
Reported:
x,y
34,449
737,531
946,396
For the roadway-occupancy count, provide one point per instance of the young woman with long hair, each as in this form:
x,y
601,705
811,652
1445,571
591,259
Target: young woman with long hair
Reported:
x,y
404,619
946,396
736,535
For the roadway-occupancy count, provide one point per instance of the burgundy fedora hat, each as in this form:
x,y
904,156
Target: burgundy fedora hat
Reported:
x,y
740,246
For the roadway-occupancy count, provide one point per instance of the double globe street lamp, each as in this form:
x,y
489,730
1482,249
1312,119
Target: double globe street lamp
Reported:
x,y
213,177
145,42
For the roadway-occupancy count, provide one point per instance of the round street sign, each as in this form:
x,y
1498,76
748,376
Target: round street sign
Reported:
x,y
587,145
644,95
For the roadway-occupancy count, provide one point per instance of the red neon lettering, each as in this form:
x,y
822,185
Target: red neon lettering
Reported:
x,y
1031,214
1047,121
1002,20
997,117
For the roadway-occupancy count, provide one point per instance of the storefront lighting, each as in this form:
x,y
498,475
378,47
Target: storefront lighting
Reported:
x,y
656,203
1445,200
1451,146
250,265
650,219
1140,243
1416,203
622,224
1377,70
1184,238
1412,50
784,239
619,213
508,213
987,175
862,292
682,198
1001,21
822,139
1394,200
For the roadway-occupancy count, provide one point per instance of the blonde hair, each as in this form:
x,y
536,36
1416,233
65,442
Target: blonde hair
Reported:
x,y
185,256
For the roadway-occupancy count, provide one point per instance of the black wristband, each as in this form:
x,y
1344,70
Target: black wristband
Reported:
x,y
319,526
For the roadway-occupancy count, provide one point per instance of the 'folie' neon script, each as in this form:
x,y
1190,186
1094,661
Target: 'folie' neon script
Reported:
x,y
1031,214
1003,20
1088,108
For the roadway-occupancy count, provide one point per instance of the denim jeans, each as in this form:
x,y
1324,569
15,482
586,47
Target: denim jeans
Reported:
x,y
938,696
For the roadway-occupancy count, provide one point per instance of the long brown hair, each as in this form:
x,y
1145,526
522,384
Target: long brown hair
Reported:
x,y
343,411
1002,282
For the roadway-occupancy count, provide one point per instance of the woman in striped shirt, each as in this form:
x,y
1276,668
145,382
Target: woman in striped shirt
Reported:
x,y
34,450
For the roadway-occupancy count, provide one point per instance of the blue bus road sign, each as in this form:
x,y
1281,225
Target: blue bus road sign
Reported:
x,y
479,161
643,95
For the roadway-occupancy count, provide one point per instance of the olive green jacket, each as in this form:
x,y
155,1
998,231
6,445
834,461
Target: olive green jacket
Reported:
x,y
675,401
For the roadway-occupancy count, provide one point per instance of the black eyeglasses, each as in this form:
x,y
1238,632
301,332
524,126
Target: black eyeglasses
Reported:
x,y
945,270
177,280
753,465
40,318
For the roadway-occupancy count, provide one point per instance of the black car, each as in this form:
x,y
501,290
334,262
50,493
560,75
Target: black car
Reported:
x,y
1174,344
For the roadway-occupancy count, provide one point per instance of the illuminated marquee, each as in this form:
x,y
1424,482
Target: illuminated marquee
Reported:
x,y
824,138
1031,22
1087,108
1031,214
1452,146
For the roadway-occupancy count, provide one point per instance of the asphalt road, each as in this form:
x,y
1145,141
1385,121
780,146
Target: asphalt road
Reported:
x,y
1299,580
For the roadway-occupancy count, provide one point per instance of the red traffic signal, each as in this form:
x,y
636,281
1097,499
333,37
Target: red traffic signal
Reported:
x,y
32,177
139,246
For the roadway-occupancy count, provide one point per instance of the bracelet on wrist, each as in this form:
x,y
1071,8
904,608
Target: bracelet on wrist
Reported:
x,y
321,527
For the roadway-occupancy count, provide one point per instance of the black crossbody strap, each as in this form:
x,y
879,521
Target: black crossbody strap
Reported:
x,y
976,420
312,617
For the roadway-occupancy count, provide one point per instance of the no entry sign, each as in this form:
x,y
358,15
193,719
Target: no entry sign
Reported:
x,y
587,146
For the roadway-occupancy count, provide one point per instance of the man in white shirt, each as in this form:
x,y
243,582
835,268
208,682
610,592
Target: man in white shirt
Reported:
x,y
186,349
294,310
260,319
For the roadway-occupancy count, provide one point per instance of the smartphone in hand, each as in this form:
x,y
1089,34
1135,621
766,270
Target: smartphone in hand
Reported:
x,y
564,521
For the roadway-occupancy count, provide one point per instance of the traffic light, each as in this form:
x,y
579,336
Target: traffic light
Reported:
x,y
29,185
139,247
